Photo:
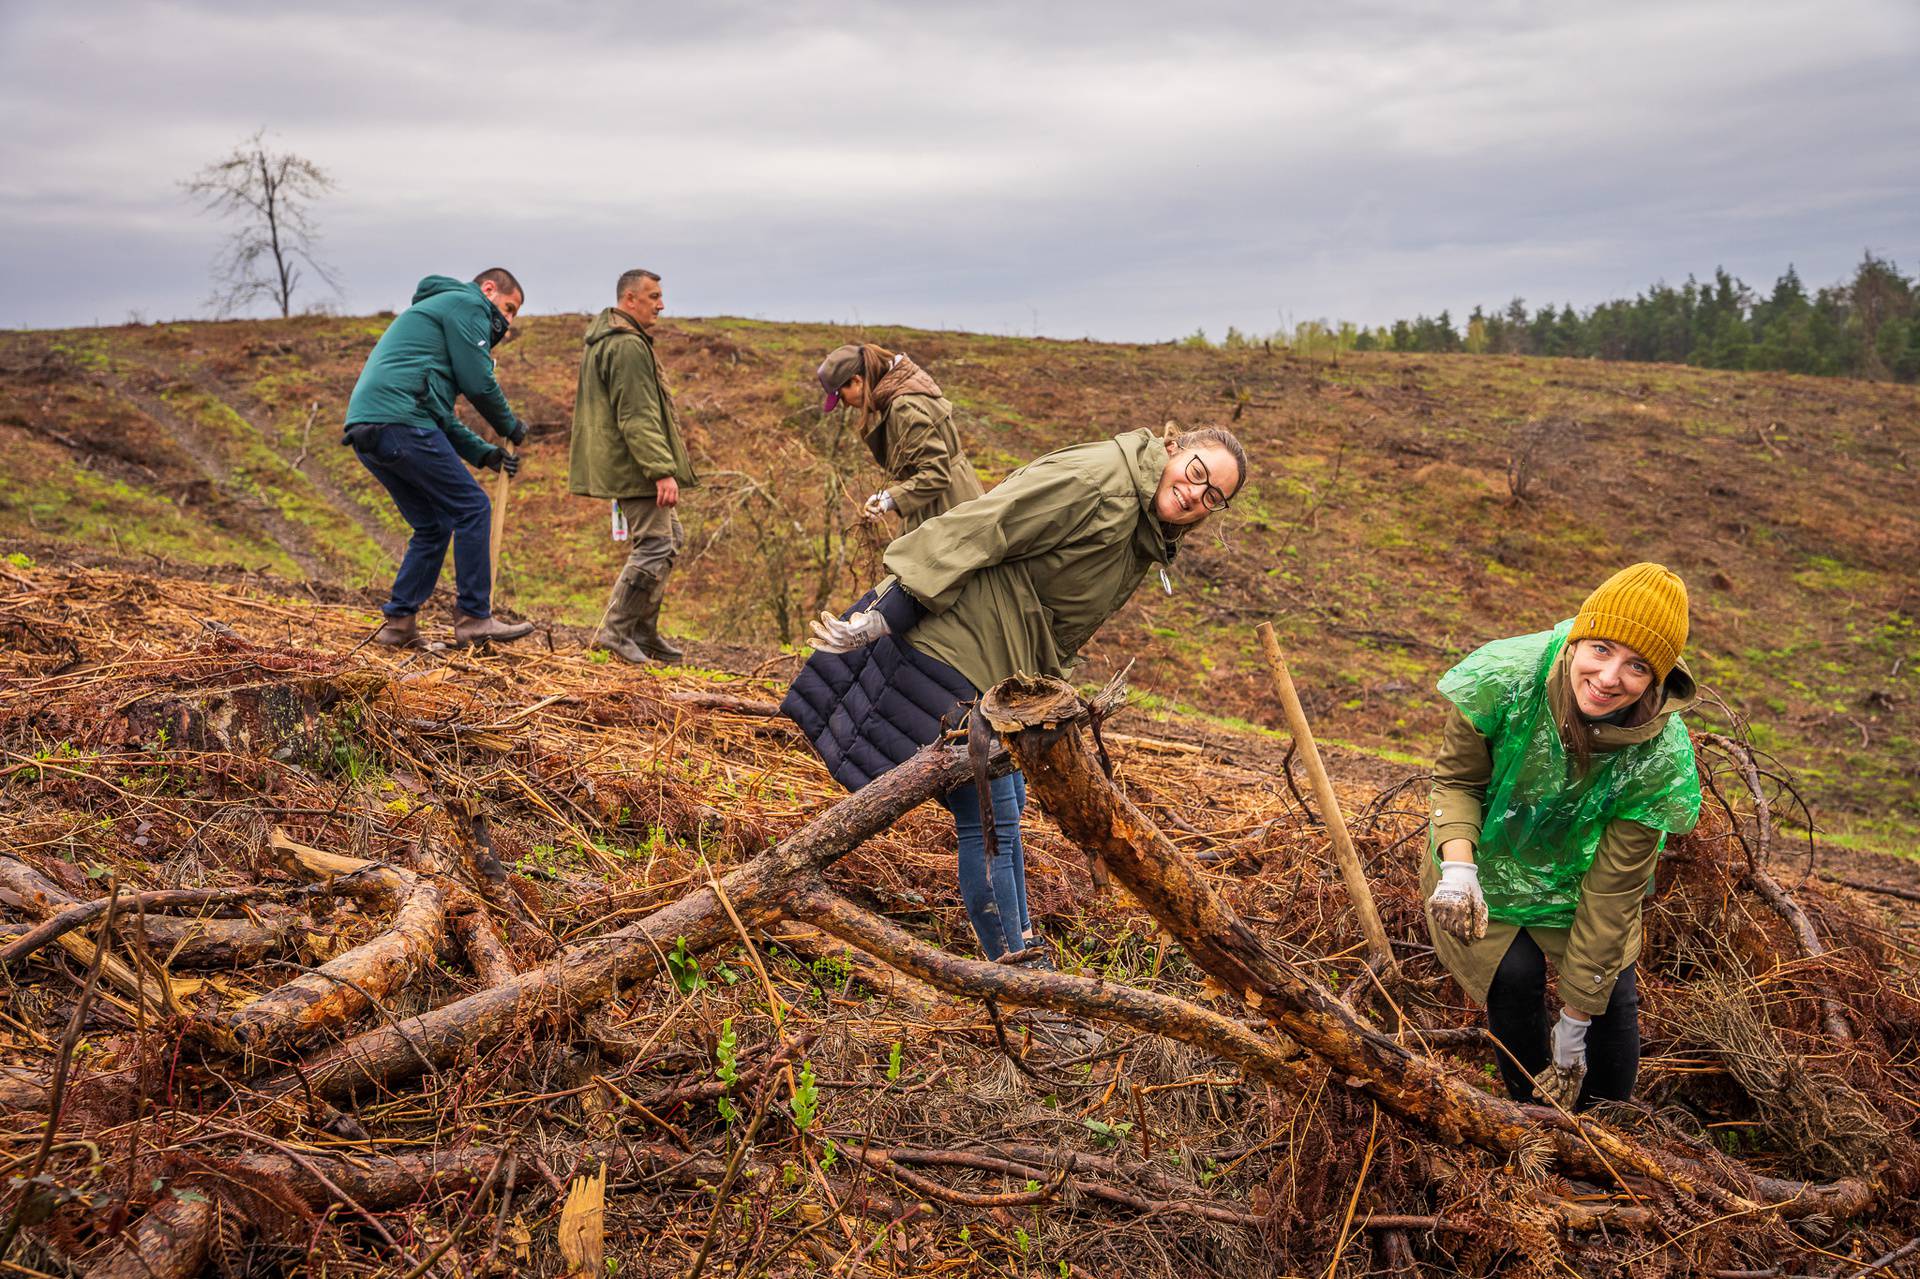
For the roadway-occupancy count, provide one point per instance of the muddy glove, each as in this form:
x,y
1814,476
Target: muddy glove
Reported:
x,y
833,635
501,460
1559,1083
877,505
1457,904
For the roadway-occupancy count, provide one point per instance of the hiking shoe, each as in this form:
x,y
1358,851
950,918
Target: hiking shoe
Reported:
x,y
479,630
621,647
398,632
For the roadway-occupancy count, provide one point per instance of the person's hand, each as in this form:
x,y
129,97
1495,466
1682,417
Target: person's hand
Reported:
x,y
1458,906
501,460
666,491
877,505
518,435
1559,1084
834,635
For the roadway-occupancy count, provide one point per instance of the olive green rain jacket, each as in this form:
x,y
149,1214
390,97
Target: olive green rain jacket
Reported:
x,y
1015,582
625,432
916,443
1589,950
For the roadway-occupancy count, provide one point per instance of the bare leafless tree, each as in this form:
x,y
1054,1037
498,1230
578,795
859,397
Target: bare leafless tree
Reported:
x,y
268,192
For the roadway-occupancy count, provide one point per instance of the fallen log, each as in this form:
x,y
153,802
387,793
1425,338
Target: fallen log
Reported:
x,y
347,984
84,913
592,970
1024,987
215,943
170,1241
174,1238
1040,721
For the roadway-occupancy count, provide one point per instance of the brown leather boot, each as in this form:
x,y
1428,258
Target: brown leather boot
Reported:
x,y
477,630
398,632
646,621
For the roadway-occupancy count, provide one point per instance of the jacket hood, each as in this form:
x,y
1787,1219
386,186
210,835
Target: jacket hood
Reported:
x,y
435,285
1146,455
614,321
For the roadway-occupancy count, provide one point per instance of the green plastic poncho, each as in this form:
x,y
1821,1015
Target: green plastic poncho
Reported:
x,y
1541,824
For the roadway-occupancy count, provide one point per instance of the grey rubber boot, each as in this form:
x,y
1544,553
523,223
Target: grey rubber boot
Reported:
x,y
616,633
646,626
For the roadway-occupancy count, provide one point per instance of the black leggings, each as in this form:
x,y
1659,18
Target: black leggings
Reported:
x,y
1517,1016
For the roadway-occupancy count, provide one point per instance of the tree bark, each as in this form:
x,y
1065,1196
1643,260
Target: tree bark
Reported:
x,y
590,971
1040,719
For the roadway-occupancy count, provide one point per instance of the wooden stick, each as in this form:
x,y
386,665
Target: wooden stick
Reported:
x,y
1350,868
499,532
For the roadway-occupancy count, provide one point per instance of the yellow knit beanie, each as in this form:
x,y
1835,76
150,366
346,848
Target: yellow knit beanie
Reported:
x,y
1644,607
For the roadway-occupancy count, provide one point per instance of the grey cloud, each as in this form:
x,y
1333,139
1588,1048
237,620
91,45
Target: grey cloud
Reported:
x,y
1120,170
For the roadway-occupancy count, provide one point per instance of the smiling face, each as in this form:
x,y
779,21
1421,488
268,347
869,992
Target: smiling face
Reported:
x,y
1606,676
1195,483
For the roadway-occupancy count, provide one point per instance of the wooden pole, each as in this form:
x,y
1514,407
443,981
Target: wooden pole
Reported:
x,y
499,529
1350,869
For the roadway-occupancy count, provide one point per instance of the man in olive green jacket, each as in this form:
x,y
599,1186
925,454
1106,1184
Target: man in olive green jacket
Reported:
x,y
627,447
1605,937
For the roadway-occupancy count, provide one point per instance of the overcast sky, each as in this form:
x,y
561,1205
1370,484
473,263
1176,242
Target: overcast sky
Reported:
x,y
1111,169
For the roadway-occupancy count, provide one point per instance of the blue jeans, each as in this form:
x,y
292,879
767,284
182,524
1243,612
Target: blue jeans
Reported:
x,y
440,500
996,898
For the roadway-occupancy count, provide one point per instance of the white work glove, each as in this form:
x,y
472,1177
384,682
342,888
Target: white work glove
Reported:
x,y
1559,1083
1457,904
877,505
833,635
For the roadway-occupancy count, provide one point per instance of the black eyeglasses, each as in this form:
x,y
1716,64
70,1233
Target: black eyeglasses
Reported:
x,y
1211,496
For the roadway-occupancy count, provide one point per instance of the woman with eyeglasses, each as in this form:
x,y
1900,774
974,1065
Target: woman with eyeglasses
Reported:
x,y
1015,582
1564,768
907,424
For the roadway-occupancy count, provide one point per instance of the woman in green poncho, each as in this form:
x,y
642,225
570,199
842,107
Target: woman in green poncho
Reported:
x,y
1565,767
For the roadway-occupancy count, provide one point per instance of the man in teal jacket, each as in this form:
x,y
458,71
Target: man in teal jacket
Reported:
x,y
402,427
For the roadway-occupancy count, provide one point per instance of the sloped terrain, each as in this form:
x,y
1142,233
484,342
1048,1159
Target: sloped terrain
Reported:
x,y
1380,532
513,962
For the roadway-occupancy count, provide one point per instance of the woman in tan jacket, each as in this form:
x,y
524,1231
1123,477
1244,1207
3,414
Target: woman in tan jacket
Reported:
x,y
1565,767
908,427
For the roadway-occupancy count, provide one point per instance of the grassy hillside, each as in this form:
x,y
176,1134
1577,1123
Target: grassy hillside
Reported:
x,y
1380,533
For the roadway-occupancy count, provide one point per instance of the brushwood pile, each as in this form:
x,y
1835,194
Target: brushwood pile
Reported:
x,y
324,959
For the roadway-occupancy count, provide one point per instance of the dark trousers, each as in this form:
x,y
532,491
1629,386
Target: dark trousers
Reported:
x,y
1517,1016
441,502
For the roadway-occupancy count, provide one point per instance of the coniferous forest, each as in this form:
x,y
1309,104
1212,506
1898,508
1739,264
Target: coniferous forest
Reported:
x,y
1865,327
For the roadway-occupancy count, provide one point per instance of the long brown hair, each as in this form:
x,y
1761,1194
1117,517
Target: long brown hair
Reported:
x,y
874,363
1576,730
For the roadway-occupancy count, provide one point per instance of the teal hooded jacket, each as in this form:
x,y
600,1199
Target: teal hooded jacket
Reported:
x,y
438,348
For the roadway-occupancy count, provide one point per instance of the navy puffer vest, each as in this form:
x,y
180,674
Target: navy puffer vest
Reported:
x,y
870,710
